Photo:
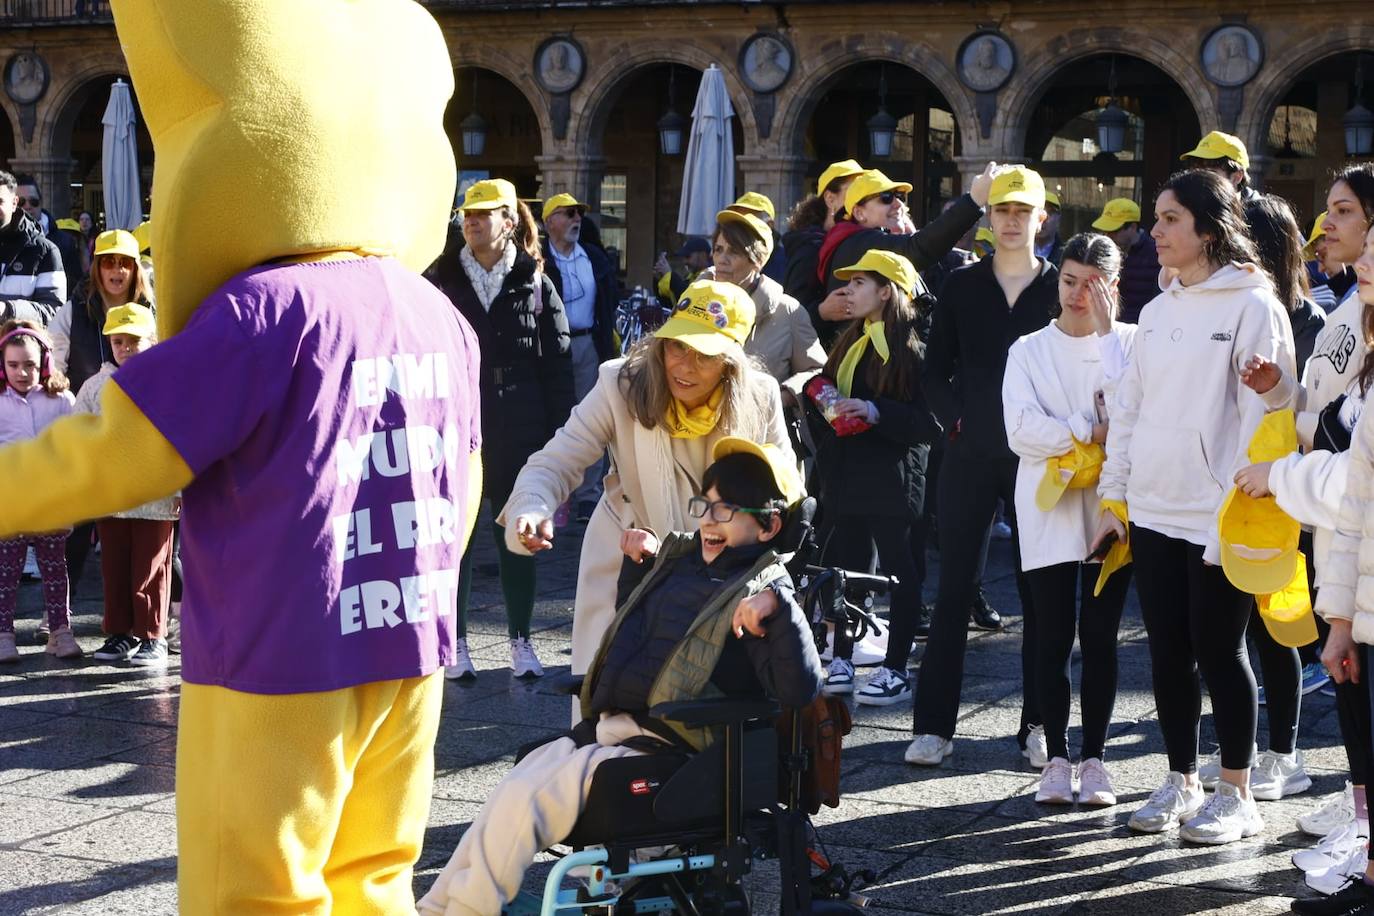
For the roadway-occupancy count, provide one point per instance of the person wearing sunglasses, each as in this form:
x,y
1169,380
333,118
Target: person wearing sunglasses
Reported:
x,y
31,200
875,215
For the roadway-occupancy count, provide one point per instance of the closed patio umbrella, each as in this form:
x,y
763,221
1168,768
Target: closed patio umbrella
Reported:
x,y
119,164
708,176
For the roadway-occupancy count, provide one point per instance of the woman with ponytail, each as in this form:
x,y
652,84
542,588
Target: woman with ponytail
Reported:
x,y
493,272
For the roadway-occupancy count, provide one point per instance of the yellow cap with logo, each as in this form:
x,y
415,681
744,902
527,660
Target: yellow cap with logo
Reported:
x,y
712,318
1218,145
887,264
845,168
1118,212
758,203
1310,249
1018,185
560,201
132,319
756,227
1076,469
784,471
870,182
116,241
489,194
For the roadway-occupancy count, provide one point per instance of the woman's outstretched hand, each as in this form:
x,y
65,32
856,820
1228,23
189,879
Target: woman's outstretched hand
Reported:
x,y
535,534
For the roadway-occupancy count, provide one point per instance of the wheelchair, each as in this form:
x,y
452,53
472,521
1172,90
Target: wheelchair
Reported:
x,y
718,811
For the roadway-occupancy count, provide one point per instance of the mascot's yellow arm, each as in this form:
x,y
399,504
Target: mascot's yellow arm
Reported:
x,y
88,466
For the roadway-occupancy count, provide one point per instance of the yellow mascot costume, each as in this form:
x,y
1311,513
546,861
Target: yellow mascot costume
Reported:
x,y
316,400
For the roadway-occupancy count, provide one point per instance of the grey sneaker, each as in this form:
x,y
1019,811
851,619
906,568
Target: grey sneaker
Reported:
x,y
1224,819
839,677
883,688
929,750
1168,806
1278,775
524,663
151,654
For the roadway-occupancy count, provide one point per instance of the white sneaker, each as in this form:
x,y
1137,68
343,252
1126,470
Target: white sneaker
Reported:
x,y
1168,806
523,661
1056,783
462,669
1209,768
839,677
1224,819
1329,880
1094,785
929,750
884,688
1276,775
1037,750
1335,810
1334,848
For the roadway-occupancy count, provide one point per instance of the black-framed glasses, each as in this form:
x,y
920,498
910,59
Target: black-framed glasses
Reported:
x,y
887,197
29,201
569,212
720,510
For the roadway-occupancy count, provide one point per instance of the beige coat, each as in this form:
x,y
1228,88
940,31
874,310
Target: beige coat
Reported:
x,y
1347,583
651,478
783,337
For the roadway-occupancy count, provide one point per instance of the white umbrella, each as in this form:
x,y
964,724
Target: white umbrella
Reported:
x,y
708,176
119,166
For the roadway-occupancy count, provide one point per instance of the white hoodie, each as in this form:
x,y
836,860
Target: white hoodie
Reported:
x,y
1048,391
1182,420
1335,362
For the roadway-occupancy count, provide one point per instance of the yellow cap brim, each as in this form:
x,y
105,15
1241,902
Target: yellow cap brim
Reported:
x,y
1103,224
705,342
1258,577
487,205
1293,634
1051,487
787,480
1019,197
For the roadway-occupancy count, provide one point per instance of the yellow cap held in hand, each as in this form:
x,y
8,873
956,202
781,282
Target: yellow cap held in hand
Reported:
x,y
1018,185
1076,469
1259,541
887,264
1287,614
784,471
712,318
1217,145
1117,213
1119,554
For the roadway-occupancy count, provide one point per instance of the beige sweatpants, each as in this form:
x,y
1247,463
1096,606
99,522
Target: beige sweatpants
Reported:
x,y
534,806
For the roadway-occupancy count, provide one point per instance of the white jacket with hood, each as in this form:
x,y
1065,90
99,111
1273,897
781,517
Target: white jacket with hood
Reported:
x,y
1182,420
1347,590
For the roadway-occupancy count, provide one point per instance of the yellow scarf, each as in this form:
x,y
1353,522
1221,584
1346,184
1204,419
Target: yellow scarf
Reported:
x,y
873,331
694,422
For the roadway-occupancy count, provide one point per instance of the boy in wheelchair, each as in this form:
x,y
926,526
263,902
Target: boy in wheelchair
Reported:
x,y
710,614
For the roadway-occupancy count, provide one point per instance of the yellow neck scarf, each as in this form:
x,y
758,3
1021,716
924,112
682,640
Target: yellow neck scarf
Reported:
x,y
694,422
873,331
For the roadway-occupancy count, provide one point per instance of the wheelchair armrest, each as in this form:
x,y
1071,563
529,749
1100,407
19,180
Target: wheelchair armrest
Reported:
x,y
721,711
567,683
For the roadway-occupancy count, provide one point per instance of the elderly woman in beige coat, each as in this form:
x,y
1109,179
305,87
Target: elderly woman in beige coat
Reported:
x,y
658,411
783,339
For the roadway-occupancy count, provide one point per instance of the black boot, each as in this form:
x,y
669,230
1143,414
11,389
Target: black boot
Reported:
x,y
983,616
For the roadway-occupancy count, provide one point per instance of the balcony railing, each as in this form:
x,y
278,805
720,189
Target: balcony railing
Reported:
x,y
54,12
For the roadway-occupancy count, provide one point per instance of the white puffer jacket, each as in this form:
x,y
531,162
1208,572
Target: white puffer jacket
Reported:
x,y
1347,590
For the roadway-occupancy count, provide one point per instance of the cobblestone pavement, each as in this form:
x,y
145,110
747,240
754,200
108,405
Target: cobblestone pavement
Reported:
x,y
87,808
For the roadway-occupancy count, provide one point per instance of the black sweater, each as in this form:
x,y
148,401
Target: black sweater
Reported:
x,y
967,356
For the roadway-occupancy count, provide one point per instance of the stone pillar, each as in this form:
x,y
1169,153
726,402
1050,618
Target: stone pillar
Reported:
x,y
54,177
781,178
1259,166
578,175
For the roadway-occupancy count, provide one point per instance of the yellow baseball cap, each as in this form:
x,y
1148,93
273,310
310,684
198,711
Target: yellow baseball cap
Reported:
x,y
134,319
489,194
1259,541
868,183
712,318
887,264
116,241
144,234
784,471
1076,469
1218,145
558,202
70,225
842,169
751,222
1052,199
1310,249
1018,185
984,234
1118,212
1287,614
753,200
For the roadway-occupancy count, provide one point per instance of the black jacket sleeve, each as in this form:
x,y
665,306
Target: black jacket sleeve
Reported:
x,y
785,659
555,358
607,300
907,422
936,239
942,362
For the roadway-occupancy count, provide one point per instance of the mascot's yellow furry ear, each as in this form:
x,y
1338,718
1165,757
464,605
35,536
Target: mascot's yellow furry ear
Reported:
x,y
278,125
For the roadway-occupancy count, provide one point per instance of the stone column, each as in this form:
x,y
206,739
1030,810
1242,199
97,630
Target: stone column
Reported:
x,y
567,171
54,177
1259,165
781,178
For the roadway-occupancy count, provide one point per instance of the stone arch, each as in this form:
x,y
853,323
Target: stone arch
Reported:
x,y
601,88
818,71
65,101
10,127
1036,74
1279,73
500,61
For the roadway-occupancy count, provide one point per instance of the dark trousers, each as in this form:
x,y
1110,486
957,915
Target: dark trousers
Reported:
x,y
1282,670
79,544
970,485
136,564
1064,602
1353,713
1195,620
892,535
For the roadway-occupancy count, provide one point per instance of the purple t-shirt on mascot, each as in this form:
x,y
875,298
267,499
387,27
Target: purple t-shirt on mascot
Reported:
x,y
321,543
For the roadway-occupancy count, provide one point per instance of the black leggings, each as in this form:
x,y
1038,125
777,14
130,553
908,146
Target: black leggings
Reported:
x,y
1196,620
1282,670
851,539
1353,713
1061,602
